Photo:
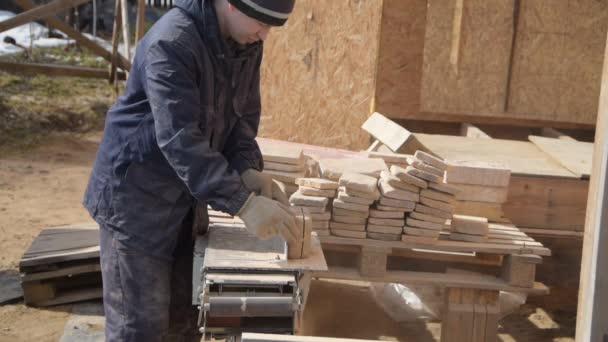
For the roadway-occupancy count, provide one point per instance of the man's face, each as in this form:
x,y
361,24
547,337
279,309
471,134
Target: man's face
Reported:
x,y
244,29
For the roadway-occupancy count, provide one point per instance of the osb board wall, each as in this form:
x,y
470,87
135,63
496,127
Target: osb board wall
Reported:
x,y
318,73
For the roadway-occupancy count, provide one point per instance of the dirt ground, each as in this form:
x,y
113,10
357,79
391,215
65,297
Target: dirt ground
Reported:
x,y
42,185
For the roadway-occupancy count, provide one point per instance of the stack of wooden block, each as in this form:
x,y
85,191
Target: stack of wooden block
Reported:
x,y
284,163
351,209
483,188
436,202
316,190
469,228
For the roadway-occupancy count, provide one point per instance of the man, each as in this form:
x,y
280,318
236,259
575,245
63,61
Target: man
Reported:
x,y
183,131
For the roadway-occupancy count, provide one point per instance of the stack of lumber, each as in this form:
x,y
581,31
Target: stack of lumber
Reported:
x,y
483,187
469,228
436,200
284,163
351,209
316,191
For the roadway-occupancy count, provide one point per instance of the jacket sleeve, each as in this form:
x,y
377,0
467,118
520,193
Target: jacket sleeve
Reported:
x,y
174,97
242,150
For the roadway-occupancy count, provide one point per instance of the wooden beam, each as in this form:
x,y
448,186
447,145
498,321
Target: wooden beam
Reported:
x,y
38,13
141,19
591,322
553,133
55,70
126,30
115,41
57,24
471,131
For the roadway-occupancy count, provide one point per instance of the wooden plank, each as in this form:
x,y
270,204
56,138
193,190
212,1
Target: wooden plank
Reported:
x,y
75,254
38,13
571,154
65,271
276,151
52,243
386,131
55,70
554,133
470,131
141,19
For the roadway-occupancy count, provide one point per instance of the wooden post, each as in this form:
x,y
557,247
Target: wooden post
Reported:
x,y
592,316
115,41
126,33
141,19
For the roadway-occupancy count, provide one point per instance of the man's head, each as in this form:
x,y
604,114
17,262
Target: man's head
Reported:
x,y
247,21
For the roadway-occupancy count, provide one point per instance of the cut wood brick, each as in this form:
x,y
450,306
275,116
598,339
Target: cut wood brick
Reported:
x,y
386,222
284,167
402,174
470,225
317,192
438,196
346,226
393,209
412,171
392,158
348,233
431,160
343,196
420,165
281,153
333,168
398,203
318,183
387,131
359,182
346,212
425,224
418,239
320,224
451,189
482,193
421,232
301,200
384,229
371,195
426,217
477,172
384,237
421,208
351,206
467,237
312,210
437,204
398,183
321,217
375,213
517,270
349,219
389,191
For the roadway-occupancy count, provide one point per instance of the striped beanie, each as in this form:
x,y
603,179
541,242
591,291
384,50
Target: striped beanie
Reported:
x,y
271,12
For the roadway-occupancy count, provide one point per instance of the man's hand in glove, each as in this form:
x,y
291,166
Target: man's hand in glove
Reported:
x,y
266,218
263,185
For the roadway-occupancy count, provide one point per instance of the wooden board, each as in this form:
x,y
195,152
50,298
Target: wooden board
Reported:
x,y
275,151
573,155
235,248
386,131
522,157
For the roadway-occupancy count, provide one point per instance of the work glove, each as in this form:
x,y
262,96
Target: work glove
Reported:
x,y
266,218
265,186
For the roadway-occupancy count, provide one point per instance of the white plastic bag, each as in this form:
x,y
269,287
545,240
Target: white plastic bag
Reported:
x,y
408,303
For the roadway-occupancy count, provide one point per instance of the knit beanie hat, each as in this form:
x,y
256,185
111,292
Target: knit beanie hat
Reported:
x,y
271,12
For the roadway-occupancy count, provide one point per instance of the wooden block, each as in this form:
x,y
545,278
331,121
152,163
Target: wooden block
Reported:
x,y
321,217
279,153
343,196
351,206
426,217
467,237
425,225
404,176
333,168
431,160
421,232
421,208
384,229
320,225
405,204
317,183
451,189
477,172
304,190
437,204
312,210
301,247
348,233
386,131
386,222
412,171
394,181
420,165
384,237
372,261
268,165
349,219
472,225
482,193
302,200
386,214
346,226
492,211
389,191
346,212
518,271
392,158
359,182
371,196
437,195
418,239
393,209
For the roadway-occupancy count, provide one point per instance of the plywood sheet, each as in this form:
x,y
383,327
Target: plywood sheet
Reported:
x,y
574,155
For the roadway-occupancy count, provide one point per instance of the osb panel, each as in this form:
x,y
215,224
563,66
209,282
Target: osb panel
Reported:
x,y
318,73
